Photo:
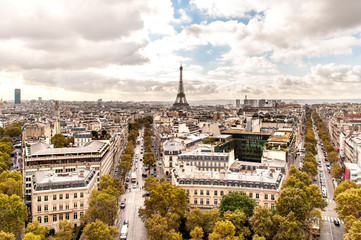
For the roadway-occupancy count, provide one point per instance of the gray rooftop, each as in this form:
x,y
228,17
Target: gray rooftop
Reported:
x,y
173,146
43,149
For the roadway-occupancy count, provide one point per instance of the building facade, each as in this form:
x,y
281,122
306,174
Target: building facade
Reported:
x,y
17,99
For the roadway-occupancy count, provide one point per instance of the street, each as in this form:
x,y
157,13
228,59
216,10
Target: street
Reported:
x,y
133,198
329,230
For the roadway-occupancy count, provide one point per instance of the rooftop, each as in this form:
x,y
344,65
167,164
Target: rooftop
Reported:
x,y
46,180
42,149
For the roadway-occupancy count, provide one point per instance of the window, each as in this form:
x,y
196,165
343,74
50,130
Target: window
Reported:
x,y
195,192
39,199
81,214
201,192
81,204
45,198
60,206
45,208
81,194
75,205
54,207
75,195
195,201
207,201
67,196
272,197
28,185
39,208
75,216
187,191
67,206
266,196
266,204
60,196
67,216
201,202
46,219
257,195
28,179
60,217
251,195
221,193
215,192
207,192
39,219
54,197
272,206
55,218
215,201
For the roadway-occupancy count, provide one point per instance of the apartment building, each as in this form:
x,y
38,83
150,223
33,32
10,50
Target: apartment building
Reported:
x,y
61,196
206,188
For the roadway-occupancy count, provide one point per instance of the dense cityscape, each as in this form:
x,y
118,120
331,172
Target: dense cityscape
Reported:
x,y
180,119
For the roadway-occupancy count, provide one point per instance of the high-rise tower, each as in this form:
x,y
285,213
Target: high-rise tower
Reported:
x,y
17,96
181,101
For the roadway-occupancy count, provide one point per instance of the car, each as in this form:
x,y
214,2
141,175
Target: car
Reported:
x,y
126,222
122,204
324,195
134,185
336,222
315,178
127,180
159,163
126,185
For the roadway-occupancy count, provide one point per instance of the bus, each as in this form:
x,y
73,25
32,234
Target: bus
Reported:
x,y
134,177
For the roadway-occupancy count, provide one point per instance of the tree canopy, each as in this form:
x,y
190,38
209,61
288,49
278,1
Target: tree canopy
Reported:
x,y
237,200
12,213
98,230
59,141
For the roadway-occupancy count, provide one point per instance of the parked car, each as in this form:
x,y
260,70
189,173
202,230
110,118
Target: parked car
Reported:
x,y
134,185
336,222
122,204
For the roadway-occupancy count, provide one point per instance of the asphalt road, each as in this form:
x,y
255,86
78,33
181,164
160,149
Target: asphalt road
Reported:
x,y
329,230
134,200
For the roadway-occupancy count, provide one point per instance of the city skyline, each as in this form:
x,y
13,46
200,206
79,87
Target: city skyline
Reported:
x,y
263,49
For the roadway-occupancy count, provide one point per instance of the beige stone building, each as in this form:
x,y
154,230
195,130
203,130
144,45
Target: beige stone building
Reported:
x,y
206,188
61,196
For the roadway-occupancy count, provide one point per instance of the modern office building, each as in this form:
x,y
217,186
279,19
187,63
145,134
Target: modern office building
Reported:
x,y
17,96
61,196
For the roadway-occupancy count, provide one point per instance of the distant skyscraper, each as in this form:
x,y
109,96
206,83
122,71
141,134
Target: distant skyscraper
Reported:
x,y
17,96
181,101
238,103
40,99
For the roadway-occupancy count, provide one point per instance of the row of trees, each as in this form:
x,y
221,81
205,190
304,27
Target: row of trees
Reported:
x,y
165,213
148,158
348,198
336,169
12,211
310,162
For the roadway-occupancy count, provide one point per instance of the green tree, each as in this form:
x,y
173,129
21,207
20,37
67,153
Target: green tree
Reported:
x,y
37,229
6,147
164,199
348,184
333,157
13,131
329,148
256,237
102,206
148,159
111,185
65,231
310,168
315,197
31,236
6,139
262,222
157,227
310,148
239,220
223,230
209,218
288,228
237,200
11,183
194,219
5,162
13,213
354,231
293,200
99,230
2,132
348,203
336,171
6,236
313,217
58,140
197,233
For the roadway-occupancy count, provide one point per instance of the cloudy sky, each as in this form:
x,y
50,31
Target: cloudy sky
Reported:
x,y
132,49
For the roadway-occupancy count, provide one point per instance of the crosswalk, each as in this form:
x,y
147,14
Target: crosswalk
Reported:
x,y
331,219
330,200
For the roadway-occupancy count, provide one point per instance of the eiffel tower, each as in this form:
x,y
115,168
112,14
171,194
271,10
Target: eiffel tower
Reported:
x,y
181,101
